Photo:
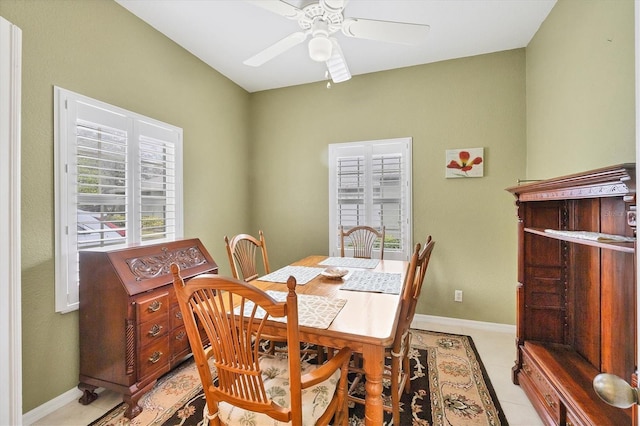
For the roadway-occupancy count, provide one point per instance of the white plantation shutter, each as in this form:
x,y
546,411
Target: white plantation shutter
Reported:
x,y
370,184
389,194
157,173
118,180
350,187
99,169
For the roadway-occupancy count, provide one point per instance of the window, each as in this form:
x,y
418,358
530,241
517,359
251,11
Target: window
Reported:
x,y
118,181
370,184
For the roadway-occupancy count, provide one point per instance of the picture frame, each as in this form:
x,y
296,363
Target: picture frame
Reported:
x,y
464,163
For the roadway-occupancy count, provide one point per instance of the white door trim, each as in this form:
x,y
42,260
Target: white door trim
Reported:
x,y
637,37
10,284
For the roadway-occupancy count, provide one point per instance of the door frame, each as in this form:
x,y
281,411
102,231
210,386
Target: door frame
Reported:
x,y
637,62
10,268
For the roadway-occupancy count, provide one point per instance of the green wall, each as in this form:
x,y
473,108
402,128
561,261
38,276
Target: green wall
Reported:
x,y
580,88
99,49
564,104
463,103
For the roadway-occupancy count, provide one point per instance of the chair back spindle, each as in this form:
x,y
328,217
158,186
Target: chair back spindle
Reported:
x,y
242,251
231,316
362,240
414,280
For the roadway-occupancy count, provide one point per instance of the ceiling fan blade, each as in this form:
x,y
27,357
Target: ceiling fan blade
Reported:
x,y
396,32
276,49
279,7
337,65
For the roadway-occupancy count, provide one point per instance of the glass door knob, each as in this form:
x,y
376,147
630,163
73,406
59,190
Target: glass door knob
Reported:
x,y
615,391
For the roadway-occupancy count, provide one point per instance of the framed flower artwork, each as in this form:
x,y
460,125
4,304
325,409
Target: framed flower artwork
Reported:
x,y
464,163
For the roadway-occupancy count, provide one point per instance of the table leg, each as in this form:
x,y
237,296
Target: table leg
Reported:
x,y
373,360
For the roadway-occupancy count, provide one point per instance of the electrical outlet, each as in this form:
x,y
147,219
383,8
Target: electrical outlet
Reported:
x,y
457,296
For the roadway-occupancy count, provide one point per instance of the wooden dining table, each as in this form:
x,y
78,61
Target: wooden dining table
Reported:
x,y
366,324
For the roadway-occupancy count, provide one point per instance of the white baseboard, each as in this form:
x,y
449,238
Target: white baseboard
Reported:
x,y
50,406
422,322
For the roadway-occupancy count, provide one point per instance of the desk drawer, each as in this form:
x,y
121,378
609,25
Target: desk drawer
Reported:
x,y
151,306
545,392
153,330
175,317
154,357
179,342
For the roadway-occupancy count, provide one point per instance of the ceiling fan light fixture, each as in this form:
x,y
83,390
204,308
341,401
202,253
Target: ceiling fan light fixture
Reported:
x,y
320,48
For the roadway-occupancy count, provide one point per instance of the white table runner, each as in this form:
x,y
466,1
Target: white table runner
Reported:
x,y
302,274
375,282
350,262
313,311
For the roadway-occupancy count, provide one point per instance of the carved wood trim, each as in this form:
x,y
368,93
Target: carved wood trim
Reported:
x,y
569,315
595,191
606,182
130,355
157,265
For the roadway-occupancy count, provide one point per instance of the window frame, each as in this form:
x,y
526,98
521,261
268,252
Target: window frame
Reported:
x,y
369,150
66,183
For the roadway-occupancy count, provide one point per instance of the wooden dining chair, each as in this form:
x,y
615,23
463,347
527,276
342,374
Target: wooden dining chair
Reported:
x,y
242,250
264,388
362,239
397,370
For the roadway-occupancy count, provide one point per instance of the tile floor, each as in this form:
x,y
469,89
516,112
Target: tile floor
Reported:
x,y
497,351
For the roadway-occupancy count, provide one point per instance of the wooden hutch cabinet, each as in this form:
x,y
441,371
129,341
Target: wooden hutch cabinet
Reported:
x,y
131,328
576,297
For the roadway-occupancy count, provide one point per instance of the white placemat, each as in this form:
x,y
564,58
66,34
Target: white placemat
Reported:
x,y
375,282
593,236
313,311
302,274
350,262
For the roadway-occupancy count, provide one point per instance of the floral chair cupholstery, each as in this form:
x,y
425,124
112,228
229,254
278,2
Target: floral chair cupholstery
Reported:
x,y
249,387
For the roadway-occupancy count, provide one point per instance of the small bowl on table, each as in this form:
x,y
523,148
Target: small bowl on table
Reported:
x,y
334,273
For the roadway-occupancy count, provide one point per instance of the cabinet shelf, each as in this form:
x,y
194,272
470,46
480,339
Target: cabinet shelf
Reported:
x,y
576,294
626,247
572,376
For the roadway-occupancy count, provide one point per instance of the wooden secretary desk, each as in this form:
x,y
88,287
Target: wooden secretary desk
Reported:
x,y
576,297
131,328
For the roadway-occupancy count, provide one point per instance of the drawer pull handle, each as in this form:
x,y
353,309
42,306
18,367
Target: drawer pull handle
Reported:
x,y
155,306
155,357
180,336
179,315
550,402
155,330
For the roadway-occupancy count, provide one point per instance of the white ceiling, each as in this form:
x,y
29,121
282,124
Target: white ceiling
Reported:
x,y
223,33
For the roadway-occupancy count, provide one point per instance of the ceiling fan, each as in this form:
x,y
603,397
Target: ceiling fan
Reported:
x,y
320,20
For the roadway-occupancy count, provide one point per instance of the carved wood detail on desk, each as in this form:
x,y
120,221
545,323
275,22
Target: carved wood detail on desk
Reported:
x,y
129,335
144,268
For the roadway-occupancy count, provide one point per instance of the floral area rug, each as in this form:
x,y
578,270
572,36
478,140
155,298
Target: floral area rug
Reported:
x,y
449,386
